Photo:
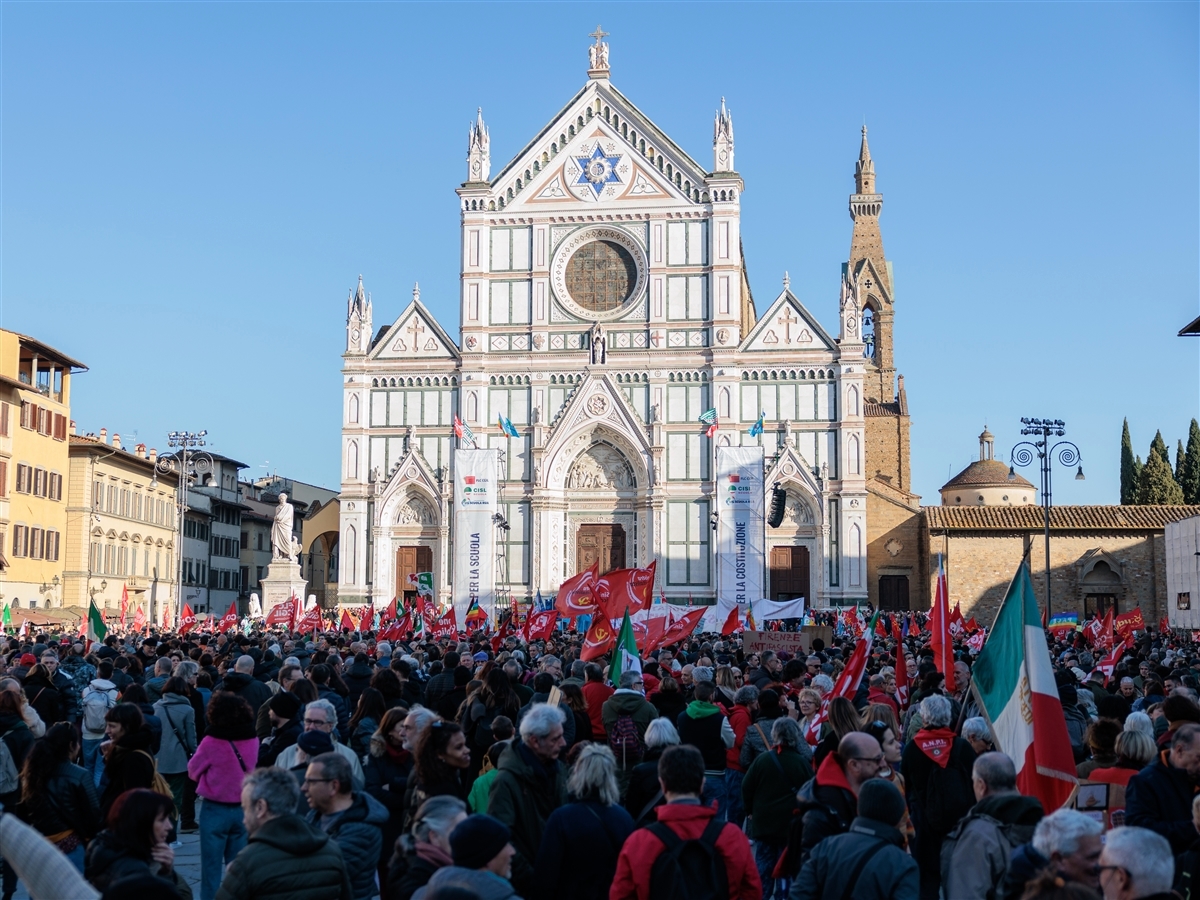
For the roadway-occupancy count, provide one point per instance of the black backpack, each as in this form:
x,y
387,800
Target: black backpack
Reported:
x,y
689,870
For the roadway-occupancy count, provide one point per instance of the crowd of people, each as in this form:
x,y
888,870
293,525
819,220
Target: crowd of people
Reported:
x,y
341,766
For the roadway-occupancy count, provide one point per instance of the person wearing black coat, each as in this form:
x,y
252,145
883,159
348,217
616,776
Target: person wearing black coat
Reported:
x,y
18,739
669,703
1159,797
46,699
128,759
246,686
643,787
386,768
358,678
286,727
136,694
419,854
58,798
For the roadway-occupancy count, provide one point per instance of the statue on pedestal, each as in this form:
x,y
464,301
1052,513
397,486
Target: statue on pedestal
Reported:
x,y
283,546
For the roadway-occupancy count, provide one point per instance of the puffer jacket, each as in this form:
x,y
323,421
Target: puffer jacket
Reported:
x,y
1160,798
828,803
358,832
68,803
178,733
890,874
108,860
976,854
358,679
739,720
470,882
287,859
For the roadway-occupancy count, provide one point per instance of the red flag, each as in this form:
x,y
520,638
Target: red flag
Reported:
x,y
956,617
1163,625
346,623
447,625
502,632
187,619
1126,623
598,640
1109,662
846,685
625,589
901,678
389,612
897,634
540,625
880,628
283,613
732,622
656,627
682,627
124,604
943,646
311,620
975,641
230,619
139,620
476,617
575,594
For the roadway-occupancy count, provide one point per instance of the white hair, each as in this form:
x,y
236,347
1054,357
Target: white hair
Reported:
x,y
822,684
786,733
383,648
935,711
1061,831
661,733
702,673
1146,856
1139,721
244,665
540,720
326,708
594,775
976,727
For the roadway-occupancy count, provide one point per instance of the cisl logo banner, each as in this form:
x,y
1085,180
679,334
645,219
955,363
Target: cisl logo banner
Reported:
x,y
475,483
740,539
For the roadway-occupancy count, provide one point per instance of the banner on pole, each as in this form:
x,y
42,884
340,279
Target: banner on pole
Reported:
x,y
475,485
740,538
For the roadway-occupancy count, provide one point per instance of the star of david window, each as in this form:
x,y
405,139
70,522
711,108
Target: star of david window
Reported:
x,y
601,275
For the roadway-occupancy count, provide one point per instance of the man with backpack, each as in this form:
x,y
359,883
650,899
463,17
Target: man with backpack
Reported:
x,y
688,854
626,716
975,855
98,698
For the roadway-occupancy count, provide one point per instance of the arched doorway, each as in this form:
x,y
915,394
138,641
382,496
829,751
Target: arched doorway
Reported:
x,y
601,486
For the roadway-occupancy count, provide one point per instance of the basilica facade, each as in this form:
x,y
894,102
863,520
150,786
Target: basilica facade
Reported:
x,y
605,309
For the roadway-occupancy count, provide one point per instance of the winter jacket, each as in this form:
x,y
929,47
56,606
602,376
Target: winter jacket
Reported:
x,y
975,855
357,832
627,702
1160,798
1024,865
130,764
669,704
480,883
596,694
44,697
154,687
216,769
68,803
358,678
769,793
644,787
325,692
80,672
248,688
411,868
688,821
938,797
568,721
438,687
178,733
278,740
287,760
523,796
739,720
705,727
109,689
1077,724
387,775
287,859
828,804
889,874
481,789
108,861
578,854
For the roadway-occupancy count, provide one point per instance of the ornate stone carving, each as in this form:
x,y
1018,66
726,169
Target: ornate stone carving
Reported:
x,y
893,547
597,404
416,511
600,468
798,511
723,336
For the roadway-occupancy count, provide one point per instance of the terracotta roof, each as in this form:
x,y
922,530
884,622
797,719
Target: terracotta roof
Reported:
x,y
875,408
986,473
1062,518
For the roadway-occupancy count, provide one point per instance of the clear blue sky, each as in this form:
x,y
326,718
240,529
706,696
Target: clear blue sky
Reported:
x,y
190,189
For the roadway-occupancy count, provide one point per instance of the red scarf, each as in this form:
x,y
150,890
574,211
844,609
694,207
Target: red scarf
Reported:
x,y
936,743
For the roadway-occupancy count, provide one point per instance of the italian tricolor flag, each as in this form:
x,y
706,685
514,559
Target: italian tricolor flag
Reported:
x,y
1015,685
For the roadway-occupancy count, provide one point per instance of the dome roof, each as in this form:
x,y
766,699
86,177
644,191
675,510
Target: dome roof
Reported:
x,y
986,473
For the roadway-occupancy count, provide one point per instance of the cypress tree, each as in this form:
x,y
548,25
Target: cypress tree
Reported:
x,y
1190,482
1129,473
1157,483
1180,460
1159,446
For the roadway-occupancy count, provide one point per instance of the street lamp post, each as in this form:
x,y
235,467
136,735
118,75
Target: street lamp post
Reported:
x,y
188,463
1024,453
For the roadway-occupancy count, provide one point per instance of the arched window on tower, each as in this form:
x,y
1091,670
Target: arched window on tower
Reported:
x,y
868,332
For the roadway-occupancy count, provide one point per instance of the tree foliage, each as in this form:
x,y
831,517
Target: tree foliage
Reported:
x,y
1190,480
1129,469
1157,484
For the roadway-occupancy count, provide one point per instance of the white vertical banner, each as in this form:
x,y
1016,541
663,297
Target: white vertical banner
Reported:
x,y
475,487
740,538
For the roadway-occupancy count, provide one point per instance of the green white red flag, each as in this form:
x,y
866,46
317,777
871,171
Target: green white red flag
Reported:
x,y
1014,683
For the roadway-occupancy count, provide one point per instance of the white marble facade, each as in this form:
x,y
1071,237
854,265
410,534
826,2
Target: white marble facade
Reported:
x,y
604,306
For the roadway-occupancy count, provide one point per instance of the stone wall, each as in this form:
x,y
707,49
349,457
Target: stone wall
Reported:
x,y
894,544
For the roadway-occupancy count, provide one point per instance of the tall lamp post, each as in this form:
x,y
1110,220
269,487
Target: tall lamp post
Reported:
x,y
187,464
1024,453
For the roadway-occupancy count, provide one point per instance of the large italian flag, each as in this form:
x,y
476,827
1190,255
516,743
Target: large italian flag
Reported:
x,y
1014,682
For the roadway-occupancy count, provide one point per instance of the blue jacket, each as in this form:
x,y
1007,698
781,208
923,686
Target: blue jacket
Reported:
x,y
358,831
1160,798
578,854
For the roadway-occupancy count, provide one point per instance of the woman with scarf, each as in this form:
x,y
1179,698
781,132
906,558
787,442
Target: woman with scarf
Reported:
x,y
426,849
936,766
386,768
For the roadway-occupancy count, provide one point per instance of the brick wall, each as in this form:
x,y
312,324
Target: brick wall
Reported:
x,y
891,521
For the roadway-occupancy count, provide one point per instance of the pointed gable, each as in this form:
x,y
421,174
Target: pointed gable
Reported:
x,y
787,325
599,148
415,335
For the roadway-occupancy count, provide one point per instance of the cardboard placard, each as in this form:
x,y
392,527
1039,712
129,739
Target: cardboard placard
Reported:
x,y
795,643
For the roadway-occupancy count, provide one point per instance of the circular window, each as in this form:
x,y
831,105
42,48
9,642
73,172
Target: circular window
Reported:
x,y
601,275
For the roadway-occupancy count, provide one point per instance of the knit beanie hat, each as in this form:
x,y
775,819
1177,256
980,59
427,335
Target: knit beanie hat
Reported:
x,y
285,705
476,840
314,743
881,800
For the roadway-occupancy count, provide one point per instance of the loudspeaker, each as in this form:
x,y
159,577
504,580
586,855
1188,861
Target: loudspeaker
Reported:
x,y
778,505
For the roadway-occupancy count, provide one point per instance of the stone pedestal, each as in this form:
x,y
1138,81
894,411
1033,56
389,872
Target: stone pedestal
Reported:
x,y
283,580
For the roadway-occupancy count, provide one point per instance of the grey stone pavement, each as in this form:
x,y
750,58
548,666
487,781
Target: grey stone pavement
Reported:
x,y
187,862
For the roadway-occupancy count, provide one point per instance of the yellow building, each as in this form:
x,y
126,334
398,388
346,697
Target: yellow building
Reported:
x,y
122,527
35,415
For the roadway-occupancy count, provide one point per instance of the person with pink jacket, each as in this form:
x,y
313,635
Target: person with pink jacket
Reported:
x,y
228,752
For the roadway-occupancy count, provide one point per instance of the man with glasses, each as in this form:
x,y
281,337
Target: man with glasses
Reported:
x,y
627,707
321,716
349,816
831,798
1136,864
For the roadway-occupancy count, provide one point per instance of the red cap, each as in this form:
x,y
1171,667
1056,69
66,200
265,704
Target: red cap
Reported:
x,y
28,660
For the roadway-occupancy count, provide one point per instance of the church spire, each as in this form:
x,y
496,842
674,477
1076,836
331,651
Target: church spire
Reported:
x,y
479,156
723,140
358,320
864,169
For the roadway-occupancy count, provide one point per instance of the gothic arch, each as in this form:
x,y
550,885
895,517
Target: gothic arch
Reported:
x,y
352,460
853,455
723,403
351,561
353,413
852,401
561,459
601,467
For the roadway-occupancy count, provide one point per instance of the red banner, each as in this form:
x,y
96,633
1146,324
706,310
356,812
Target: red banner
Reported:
x,y
311,620
283,613
230,619
447,625
187,619
1126,623
575,596
625,589
346,623
541,625
139,619
389,613
599,638
682,627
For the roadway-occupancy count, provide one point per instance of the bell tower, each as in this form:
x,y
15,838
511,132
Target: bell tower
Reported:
x,y
358,321
870,270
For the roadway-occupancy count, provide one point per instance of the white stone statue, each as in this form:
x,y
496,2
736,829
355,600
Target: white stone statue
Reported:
x,y
255,607
599,345
282,544
311,602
